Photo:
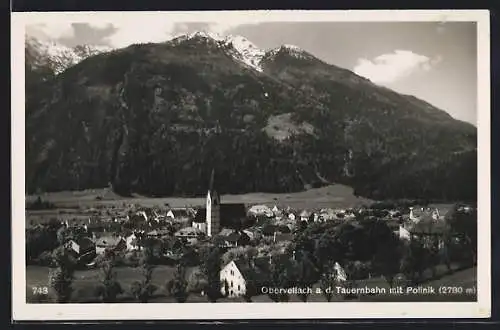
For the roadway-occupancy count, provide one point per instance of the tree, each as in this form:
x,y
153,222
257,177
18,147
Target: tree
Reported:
x,y
197,281
211,268
61,279
110,288
178,286
281,271
142,290
305,274
463,226
413,261
387,259
328,280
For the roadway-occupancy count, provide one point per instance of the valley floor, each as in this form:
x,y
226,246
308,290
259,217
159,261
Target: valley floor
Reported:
x,y
332,196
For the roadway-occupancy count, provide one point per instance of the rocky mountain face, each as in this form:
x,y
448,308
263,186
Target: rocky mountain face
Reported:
x,y
157,118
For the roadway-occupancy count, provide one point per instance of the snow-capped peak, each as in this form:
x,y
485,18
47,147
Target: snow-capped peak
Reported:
x,y
237,47
290,49
60,57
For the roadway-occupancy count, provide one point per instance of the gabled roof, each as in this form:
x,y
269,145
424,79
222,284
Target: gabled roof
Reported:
x,y
236,237
253,274
201,215
108,241
179,212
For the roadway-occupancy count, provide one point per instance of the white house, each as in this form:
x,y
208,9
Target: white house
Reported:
x,y
132,242
304,215
261,210
232,280
341,274
404,234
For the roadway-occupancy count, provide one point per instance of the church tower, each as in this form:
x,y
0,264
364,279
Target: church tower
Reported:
x,y
213,208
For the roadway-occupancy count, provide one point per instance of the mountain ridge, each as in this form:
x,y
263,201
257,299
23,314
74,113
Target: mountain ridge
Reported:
x,y
155,118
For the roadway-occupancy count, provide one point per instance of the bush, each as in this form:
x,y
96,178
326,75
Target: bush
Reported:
x,y
177,287
46,259
197,281
109,288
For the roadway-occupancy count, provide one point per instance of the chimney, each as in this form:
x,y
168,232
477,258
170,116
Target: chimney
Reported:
x,y
411,212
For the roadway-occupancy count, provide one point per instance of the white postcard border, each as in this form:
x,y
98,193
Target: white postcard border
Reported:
x,y
208,311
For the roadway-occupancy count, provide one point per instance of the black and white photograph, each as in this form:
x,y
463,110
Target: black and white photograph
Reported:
x,y
286,164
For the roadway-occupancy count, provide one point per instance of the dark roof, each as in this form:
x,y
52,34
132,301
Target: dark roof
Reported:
x,y
283,229
255,274
232,213
201,215
284,237
269,229
431,227
236,237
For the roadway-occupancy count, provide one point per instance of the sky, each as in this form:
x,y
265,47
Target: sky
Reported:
x,y
434,61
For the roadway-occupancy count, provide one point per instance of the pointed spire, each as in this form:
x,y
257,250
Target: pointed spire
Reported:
x,y
211,186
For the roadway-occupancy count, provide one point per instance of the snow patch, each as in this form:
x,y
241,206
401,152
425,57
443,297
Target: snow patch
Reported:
x,y
238,47
292,50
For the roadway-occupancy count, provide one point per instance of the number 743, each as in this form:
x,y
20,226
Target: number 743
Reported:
x,y
40,290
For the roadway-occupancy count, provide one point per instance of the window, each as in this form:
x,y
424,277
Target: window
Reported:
x,y
231,283
238,287
232,272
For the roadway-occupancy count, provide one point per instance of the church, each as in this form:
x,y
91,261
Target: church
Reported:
x,y
217,215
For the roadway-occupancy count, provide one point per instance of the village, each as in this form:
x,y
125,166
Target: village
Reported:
x,y
335,246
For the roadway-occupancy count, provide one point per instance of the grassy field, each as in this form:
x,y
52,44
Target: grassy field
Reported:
x,y
85,281
329,196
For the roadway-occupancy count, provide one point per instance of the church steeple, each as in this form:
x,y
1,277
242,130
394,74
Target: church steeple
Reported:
x,y
213,208
211,186
212,191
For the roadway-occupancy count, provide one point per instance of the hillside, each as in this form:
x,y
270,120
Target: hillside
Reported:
x,y
154,119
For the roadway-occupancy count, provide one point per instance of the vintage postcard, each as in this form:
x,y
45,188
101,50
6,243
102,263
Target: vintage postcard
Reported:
x,y
286,164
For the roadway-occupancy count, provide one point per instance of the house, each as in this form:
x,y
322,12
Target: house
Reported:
x,y
260,210
238,277
282,237
424,214
233,239
81,247
112,243
180,214
269,230
190,234
429,231
200,221
292,216
304,215
252,233
340,272
132,242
